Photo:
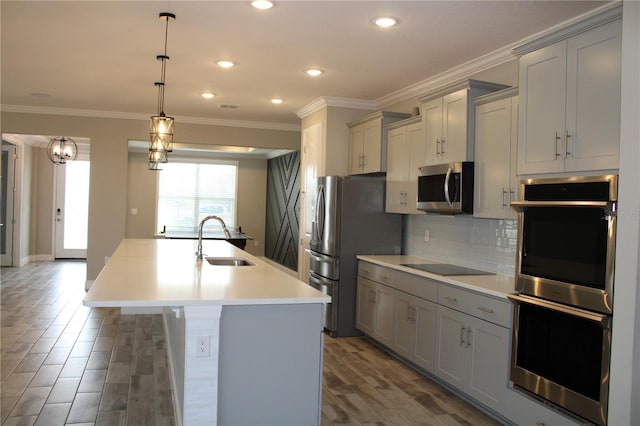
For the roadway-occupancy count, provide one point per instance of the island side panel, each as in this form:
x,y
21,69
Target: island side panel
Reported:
x,y
270,364
174,328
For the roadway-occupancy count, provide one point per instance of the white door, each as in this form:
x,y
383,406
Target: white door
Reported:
x,y
7,180
72,210
310,165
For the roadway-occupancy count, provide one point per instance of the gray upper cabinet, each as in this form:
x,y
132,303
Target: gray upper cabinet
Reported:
x,y
495,183
570,101
448,121
368,142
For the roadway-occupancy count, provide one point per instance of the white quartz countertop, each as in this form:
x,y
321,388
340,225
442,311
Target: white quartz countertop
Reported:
x,y
158,272
494,285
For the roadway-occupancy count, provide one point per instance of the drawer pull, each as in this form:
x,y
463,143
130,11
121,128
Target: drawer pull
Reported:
x,y
450,298
364,272
462,335
487,310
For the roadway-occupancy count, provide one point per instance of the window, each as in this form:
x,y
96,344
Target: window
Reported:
x,y
188,192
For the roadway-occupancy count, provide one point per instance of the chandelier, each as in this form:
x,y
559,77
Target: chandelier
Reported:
x,y
161,129
62,149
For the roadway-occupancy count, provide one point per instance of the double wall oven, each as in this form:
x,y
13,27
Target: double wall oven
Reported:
x,y
564,278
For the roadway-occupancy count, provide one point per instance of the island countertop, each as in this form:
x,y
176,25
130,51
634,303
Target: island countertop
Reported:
x,y
157,272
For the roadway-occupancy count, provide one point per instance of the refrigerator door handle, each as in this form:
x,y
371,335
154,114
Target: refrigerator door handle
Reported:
x,y
320,213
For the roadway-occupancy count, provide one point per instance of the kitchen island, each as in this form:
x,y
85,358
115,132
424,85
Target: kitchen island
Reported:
x,y
244,342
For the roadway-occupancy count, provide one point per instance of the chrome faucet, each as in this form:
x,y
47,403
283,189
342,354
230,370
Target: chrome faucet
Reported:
x,y
206,218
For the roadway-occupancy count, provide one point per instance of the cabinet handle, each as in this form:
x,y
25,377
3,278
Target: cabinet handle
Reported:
x,y
408,312
438,146
462,336
487,310
372,296
442,151
512,195
567,136
504,194
469,337
450,298
556,138
364,273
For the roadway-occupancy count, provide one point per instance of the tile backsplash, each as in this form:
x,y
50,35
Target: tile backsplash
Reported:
x,y
487,244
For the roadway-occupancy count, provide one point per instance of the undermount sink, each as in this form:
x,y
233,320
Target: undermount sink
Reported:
x,y
228,261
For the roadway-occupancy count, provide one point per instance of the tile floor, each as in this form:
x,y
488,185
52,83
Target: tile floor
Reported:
x,y
66,364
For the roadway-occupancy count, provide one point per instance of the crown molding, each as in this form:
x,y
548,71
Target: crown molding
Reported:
x,y
326,101
137,116
449,77
499,56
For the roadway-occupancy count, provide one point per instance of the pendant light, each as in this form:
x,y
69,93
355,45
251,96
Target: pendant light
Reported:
x,y
62,149
161,128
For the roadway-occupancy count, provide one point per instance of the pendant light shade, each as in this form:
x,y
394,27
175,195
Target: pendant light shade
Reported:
x,y
161,127
62,149
161,133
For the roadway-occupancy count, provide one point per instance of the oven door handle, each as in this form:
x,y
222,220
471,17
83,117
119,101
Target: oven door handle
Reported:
x,y
603,320
608,206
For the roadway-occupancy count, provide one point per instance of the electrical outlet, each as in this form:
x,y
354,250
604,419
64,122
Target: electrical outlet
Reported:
x,y
203,346
426,235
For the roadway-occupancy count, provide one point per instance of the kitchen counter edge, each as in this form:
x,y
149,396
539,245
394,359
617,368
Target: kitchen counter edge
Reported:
x,y
497,286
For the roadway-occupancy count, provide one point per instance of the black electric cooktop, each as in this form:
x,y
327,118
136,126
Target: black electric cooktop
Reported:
x,y
446,269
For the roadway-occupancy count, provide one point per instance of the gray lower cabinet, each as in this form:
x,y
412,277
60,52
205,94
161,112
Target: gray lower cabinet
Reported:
x,y
374,310
473,355
414,334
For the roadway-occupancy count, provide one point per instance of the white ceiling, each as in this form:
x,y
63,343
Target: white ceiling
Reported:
x,y
101,55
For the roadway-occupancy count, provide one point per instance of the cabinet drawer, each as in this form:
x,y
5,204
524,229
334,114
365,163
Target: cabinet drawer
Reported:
x,y
417,286
484,307
376,273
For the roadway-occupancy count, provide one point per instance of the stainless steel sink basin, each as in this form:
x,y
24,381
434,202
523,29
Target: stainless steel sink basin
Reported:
x,y
228,261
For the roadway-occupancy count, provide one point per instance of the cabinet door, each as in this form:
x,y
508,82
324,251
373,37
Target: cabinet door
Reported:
x,y
372,147
425,319
365,307
383,314
489,346
396,170
493,160
593,99
452,358
356,144
404,334
542,95
454,127
432,123
416,157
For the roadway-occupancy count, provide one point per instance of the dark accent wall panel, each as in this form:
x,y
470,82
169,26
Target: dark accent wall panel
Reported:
x,y
283,193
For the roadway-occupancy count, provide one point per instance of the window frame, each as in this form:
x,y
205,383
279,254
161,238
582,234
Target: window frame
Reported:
x,y
199,160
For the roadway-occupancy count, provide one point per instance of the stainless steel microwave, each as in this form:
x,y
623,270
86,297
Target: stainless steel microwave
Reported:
x,y
446,188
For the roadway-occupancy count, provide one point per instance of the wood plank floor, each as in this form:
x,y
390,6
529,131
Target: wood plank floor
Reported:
x,y
66,364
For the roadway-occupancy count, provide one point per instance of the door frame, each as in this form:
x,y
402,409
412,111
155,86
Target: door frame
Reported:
x,y
83,155
10,222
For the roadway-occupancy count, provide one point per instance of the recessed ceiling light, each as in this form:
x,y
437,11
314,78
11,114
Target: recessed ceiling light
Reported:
x,y
314,72
208,95
262,4
276,101
225,64
385,21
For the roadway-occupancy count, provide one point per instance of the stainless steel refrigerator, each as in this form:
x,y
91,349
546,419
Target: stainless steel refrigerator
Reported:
x,y
349,220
